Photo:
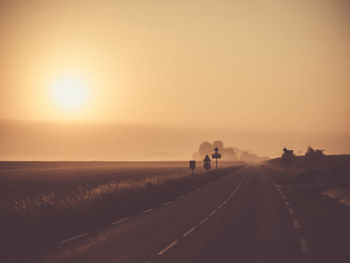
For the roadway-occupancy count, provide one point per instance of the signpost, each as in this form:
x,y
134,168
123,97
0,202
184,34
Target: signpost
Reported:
x,y
216,156
192,165
206,161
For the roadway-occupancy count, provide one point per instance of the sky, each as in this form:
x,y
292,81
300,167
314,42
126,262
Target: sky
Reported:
x,y
246,69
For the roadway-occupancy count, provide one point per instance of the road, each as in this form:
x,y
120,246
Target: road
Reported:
x,y
242,217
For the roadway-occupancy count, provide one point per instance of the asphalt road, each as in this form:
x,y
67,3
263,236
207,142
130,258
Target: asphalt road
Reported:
x,y
242,217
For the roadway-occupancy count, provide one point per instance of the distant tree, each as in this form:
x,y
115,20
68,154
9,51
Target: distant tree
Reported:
x,y
319,153
309,152
218,144
287,156
313,157
205,148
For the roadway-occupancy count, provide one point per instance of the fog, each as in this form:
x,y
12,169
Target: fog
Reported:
x,y
28,140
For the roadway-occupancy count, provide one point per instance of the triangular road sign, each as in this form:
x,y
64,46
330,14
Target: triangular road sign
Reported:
x,y
207,159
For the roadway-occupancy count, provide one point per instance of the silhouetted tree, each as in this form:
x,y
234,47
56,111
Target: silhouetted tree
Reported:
x,y
313,157
287,156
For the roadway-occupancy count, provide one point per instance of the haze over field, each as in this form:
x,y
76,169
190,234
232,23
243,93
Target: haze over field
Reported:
x,y
151,80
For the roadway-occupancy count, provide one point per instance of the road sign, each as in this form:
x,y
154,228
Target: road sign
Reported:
x,y
216,156
206,166
192,165
206,161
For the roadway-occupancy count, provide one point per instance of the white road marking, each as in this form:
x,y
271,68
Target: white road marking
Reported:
x,y
73,238
203,221
167,248
189,231
180,197
272,181
220,206
296,224
167,203
283,197
303,245
212,213
225,202
287,203
148,210
121,220
291,211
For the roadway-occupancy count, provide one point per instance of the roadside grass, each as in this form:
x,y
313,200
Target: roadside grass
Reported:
x,y
31,222
83,196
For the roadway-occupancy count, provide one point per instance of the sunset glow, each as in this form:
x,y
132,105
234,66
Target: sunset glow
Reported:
x,y
69,93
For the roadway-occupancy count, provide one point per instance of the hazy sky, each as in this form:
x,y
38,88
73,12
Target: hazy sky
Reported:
x,y
257,66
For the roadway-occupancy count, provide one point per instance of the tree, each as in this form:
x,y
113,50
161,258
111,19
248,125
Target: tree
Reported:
x,y
287,156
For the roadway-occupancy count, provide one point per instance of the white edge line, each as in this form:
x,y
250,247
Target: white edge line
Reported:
x,y
203,221
189,231
167,248
303,245
73,238
296,224
148,210
121,221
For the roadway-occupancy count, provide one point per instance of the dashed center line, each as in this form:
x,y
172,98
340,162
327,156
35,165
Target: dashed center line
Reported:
x,y
220,206
212,213
303,245
167,248
189,231
283,197
167,203
291,211
121,221
148,210
73,238
203,221
287,203
225,202
180,197
296,224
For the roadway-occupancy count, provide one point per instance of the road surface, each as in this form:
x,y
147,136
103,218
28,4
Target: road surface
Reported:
x,y
241,217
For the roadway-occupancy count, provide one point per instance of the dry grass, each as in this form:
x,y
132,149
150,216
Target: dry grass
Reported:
x,y
83,196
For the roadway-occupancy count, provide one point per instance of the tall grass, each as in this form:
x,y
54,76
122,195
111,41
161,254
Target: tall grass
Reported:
x,y
83,196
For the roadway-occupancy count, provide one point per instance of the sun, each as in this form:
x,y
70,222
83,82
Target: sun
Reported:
x,y
70,92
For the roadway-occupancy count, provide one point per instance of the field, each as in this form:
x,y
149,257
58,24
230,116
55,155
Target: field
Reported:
x,y
42,202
